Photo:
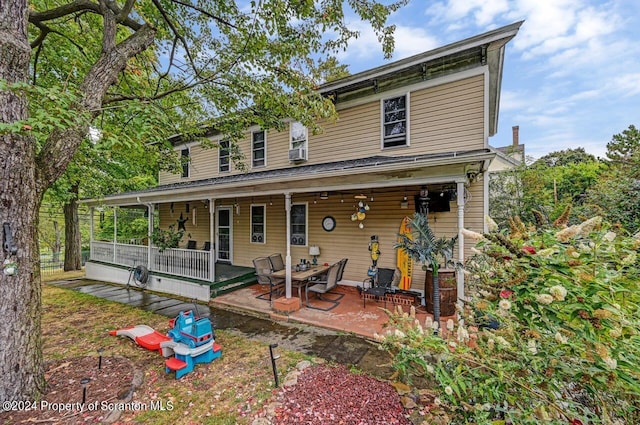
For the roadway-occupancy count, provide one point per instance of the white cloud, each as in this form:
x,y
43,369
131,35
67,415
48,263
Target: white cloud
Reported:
x,y
408,41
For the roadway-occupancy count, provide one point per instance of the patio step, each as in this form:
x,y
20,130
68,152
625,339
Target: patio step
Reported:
x,y
220,288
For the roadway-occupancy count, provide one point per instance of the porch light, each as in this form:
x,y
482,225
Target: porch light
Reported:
x,y
404,204
314,250
324,196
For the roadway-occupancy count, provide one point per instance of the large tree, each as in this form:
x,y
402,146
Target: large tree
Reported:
x,y
242,63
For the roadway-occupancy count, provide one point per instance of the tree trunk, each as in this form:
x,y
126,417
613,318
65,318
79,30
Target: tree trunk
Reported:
x,y
56,244
72,242
21,365
24,176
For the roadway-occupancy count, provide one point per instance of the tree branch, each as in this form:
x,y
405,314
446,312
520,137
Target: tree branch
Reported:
x,y
175,32
204,12
62,143
80,6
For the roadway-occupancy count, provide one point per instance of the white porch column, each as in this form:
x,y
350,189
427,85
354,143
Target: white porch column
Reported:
x,y
115,232
287,209
150,212
91,212
460,276
212,250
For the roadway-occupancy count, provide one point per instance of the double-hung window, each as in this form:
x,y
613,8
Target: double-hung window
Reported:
x,y
395,123
299,137
184,160
258,148
223,156
299,224
258,223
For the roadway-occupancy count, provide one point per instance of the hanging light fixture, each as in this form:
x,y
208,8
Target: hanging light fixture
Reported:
x,y
324,196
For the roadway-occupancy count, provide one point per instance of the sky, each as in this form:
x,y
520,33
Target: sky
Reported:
x,y
571,76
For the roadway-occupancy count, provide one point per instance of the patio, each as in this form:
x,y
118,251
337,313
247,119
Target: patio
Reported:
x,y
349,316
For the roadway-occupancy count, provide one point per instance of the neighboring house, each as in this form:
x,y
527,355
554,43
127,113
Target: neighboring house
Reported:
x,y
419,123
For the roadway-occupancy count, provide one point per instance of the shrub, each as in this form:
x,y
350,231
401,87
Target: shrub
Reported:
x,y
550,331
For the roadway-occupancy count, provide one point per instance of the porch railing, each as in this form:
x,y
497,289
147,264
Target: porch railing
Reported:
x,y
180,262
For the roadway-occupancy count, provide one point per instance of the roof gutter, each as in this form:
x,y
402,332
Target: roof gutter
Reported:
x,y
194,193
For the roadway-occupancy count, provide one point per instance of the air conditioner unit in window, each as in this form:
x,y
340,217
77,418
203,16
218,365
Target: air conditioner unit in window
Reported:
x,y
297,154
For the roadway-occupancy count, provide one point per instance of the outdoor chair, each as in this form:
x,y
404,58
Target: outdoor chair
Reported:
x,y
207,246
379,285
191,244
343,264
276,262
324,287
263,275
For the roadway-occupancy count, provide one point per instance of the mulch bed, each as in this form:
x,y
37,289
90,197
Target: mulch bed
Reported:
x,y
332,395
108,388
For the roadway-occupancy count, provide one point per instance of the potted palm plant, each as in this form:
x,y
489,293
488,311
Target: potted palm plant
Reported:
x,y
435,254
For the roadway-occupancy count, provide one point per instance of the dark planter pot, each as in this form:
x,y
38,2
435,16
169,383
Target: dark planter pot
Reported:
x,y
448,291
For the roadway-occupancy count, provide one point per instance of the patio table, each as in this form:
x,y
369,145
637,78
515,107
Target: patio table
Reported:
x,y
299,279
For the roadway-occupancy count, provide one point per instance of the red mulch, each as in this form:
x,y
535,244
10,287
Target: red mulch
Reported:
x,y
63,398
332,395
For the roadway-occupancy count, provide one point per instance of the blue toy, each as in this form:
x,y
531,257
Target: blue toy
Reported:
x,y
189,342
191,331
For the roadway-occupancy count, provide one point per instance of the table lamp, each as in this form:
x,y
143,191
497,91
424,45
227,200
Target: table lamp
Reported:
x,y
314,250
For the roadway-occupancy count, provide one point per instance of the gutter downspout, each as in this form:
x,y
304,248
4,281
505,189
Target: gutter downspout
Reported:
x,y
287,209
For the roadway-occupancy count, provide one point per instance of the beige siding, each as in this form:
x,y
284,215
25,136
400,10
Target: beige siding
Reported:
x,y
346,241
444,118
198,232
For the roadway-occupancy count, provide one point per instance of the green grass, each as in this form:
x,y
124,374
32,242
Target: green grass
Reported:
x,y
227,391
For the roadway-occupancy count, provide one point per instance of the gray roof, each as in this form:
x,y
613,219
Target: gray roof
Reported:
x,y
305,170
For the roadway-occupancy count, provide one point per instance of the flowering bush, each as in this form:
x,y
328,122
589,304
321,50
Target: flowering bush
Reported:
x,y
549,334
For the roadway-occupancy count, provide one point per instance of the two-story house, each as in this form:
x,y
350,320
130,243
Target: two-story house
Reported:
x,y
420,123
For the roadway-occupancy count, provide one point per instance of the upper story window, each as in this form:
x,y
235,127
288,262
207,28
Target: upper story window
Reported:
x,y
259,148
223,156
395,123
299,224
258,224
298,135
185,160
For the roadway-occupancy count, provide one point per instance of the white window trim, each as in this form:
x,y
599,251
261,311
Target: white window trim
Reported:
x,y
265,148
264,223
306,223
219,152
188,148
407,102
306,142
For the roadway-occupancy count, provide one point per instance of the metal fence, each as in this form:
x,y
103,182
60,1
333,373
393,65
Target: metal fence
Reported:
x,y
50,264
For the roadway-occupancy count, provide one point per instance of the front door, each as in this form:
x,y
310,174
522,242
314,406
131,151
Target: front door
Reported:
x,y
224,229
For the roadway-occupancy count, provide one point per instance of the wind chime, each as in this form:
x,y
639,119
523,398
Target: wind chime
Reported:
x,y
361,210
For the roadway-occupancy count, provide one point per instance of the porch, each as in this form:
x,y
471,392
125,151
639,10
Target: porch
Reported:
x,y
191,268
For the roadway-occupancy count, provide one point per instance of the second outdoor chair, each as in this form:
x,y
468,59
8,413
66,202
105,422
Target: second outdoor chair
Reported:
x,y
323,287
263,275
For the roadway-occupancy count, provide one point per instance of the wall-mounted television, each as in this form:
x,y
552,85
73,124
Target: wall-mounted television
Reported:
x,y
439,201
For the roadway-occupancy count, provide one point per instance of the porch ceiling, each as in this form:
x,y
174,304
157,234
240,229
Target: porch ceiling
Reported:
x,y
373,172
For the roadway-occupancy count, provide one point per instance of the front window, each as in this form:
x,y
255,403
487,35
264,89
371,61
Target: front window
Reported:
x,y
299,224
257,224
223,156
184,160
394,125
258,148
298,135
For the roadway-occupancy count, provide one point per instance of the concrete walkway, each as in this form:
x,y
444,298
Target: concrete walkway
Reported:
x,y
323,343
